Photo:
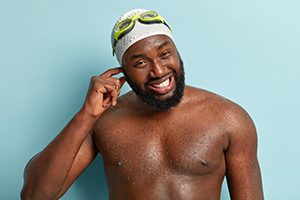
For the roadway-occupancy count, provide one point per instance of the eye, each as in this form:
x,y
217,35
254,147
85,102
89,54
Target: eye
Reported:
x,y
141,63
165,54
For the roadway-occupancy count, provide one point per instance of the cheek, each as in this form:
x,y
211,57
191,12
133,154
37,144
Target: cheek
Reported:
x,y
137,76
172,60
173,63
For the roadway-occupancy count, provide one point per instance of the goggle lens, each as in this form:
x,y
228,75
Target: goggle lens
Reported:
x,y
124,24
148,15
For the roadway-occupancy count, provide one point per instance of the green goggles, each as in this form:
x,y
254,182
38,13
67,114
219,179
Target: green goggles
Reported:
x,y
125,26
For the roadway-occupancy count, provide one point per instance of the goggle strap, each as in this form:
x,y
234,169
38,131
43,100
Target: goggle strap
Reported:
x,y
152,20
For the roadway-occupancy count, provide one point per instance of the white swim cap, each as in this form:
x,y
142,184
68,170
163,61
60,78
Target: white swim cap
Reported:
x,y
139,32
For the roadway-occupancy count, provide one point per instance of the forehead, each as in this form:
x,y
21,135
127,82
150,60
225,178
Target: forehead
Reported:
x,y
148,44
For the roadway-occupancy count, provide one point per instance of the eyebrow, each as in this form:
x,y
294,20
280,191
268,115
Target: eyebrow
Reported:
x,y
143,55
162,45
137,56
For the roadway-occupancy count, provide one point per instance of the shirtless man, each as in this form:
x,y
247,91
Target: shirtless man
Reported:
x,y
163,140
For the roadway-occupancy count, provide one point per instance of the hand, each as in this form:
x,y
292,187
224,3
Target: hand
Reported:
x,y
103,92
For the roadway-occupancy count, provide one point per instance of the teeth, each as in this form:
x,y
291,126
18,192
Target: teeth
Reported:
x,y
163,84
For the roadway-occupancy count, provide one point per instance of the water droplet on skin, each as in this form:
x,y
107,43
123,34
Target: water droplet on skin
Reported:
x,y
203,162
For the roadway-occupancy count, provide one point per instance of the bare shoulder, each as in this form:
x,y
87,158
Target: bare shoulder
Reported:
x,y
113,123
232,114
115,116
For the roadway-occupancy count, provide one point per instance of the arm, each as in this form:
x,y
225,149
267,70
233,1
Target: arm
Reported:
x,y
47,172
242,167
51,172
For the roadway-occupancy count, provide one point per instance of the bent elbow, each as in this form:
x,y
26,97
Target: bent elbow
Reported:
x,y
29,193
25,194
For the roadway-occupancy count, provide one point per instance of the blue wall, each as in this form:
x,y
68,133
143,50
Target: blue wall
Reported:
x,y
247,51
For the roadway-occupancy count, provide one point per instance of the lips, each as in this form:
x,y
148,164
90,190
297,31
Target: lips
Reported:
x,y
163,85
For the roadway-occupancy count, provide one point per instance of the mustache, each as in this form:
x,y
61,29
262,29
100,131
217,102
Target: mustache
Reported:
x,y
160,79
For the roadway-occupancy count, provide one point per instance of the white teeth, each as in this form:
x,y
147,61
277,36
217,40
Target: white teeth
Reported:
x,y
163,84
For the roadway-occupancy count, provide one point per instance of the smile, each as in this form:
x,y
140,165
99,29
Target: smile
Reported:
x,y
163,85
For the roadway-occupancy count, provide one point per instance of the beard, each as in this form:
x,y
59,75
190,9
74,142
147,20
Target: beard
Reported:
x,y
149,97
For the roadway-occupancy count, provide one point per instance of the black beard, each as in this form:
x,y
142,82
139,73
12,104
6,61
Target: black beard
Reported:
x,y
149,97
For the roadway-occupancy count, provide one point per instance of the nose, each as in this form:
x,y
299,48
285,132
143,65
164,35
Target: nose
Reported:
x,y
157,70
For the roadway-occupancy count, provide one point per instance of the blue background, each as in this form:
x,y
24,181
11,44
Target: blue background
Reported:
x,y
247,51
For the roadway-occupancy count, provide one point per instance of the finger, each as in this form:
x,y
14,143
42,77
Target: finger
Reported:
x,y
107,100
122,81
114,93
114,81
118,93
119,82
106,88
111,95
114,96
100,82
111,72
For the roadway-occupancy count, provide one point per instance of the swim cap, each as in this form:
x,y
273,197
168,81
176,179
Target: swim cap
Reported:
x,y
139,32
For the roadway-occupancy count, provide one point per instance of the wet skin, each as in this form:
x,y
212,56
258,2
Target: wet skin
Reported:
x,y
183,153
179,154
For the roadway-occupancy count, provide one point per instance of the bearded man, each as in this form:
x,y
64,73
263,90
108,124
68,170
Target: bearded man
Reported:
x,y
163,140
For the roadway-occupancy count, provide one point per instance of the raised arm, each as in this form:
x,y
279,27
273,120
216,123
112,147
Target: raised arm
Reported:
x,y
242,167
51,172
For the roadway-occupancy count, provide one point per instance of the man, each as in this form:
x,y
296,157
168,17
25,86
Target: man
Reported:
x,y
163,140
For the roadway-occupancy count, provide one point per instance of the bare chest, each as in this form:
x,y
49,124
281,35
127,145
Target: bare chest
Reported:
x,y
145,149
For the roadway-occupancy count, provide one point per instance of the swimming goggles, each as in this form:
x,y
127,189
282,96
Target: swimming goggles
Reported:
x,y
125,26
